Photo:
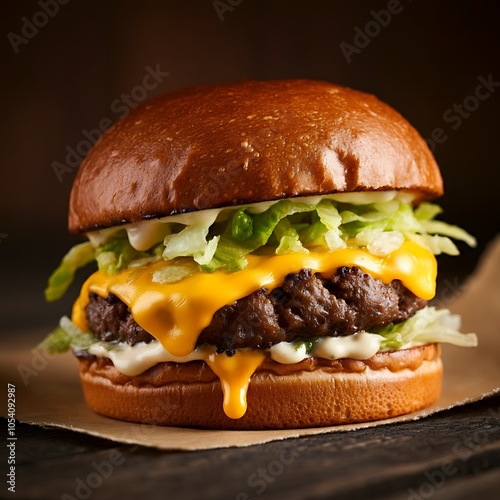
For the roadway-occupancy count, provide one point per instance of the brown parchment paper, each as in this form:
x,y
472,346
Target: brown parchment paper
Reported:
x,y
48,390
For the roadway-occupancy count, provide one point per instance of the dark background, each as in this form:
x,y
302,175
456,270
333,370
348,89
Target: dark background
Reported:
x,y
67,75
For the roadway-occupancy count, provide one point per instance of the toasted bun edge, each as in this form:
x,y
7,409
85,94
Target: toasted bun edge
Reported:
x,y
338,393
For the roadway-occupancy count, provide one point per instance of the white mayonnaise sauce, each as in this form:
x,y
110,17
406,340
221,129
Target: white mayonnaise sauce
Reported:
x,y
144,234
133,360
361,345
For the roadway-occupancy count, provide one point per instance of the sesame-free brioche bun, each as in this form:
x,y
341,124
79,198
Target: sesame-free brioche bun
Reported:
x,y
236,144
253,141
312,393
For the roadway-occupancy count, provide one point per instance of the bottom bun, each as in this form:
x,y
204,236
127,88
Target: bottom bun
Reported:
x,y
312,393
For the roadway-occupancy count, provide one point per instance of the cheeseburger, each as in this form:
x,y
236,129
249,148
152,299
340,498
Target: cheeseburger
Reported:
x,y
265,256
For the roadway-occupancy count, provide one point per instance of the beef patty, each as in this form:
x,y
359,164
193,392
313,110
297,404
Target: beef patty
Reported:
x,y
306,306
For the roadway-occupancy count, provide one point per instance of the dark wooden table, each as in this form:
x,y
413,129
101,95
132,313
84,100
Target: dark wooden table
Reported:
x,y
451,455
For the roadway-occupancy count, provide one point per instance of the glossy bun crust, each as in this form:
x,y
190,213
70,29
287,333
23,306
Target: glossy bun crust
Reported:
x,y
252,141
311,393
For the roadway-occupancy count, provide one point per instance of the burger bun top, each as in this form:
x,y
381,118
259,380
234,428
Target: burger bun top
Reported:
x,y
252,141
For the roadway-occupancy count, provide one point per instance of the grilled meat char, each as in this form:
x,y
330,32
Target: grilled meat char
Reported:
x,y
306,305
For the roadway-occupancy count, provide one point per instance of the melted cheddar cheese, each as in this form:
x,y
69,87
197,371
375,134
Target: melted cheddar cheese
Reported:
x,y
176,313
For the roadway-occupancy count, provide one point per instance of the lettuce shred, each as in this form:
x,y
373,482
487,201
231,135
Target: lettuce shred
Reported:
x,y
61,279
426,326
66,336
285,226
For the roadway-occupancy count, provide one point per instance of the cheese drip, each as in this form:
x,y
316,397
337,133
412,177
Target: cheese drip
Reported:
x,y
176,313
234,373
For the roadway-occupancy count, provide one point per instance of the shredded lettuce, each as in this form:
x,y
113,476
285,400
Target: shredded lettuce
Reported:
x,y
378,242
61,279
288,237
242,236
66,336
119,254
331,219
192,242
378,223
175,272
426,326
